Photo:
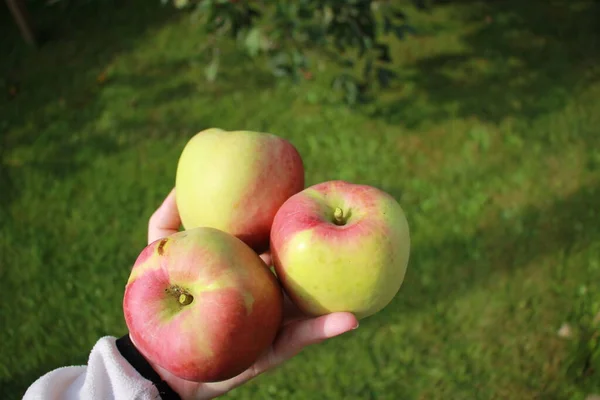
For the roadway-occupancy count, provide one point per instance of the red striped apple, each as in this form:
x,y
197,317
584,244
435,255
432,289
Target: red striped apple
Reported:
x,y
202,305
339,246
236,181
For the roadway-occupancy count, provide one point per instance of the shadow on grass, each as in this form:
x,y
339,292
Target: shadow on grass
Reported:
x,y
463,261
70,108
54,88
521,59
440,271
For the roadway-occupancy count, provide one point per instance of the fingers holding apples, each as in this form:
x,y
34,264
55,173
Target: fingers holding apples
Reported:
x,y
165,220
297,335
339,252
291,340
266,257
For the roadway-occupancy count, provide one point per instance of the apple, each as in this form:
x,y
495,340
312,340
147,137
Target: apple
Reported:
x,y
340,246
202,305
236,181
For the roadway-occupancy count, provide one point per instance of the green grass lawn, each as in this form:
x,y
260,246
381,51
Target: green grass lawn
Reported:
x,y
490,139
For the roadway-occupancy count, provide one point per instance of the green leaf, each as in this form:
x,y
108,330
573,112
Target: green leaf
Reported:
x,y
399,32
181,3
254,12
384,50
384,76
315,34
420,4
205,5
282,70
328,15
212,69
306,12
280,58
348,86
253,41
368,68
347,63
387,25
399,14
280,64
339,44
351,92
299,59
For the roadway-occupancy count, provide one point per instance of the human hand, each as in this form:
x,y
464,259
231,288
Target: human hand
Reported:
x,y
296,333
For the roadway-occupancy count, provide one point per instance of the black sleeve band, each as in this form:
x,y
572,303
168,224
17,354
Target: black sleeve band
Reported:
x,y
141,365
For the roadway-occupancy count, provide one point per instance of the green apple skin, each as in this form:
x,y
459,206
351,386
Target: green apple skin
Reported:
x,y
357,264
235,181
202,305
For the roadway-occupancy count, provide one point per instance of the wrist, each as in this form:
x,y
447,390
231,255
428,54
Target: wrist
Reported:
x,y
138,361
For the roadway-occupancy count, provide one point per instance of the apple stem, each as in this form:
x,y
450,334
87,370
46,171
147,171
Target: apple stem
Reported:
x,y
338,216
182,296
185,299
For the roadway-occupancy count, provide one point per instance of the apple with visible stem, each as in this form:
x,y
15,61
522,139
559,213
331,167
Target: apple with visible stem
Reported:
x,y
339,246
236,181
202,305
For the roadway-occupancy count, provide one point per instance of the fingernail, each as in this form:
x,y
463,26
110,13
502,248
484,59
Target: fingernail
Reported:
x,y
356,326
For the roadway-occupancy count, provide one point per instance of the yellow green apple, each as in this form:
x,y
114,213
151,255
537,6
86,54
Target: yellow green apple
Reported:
x,y
202,305
236,181
339,246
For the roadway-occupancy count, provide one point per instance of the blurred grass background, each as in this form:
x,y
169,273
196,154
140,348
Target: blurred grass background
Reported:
x,y
490,140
